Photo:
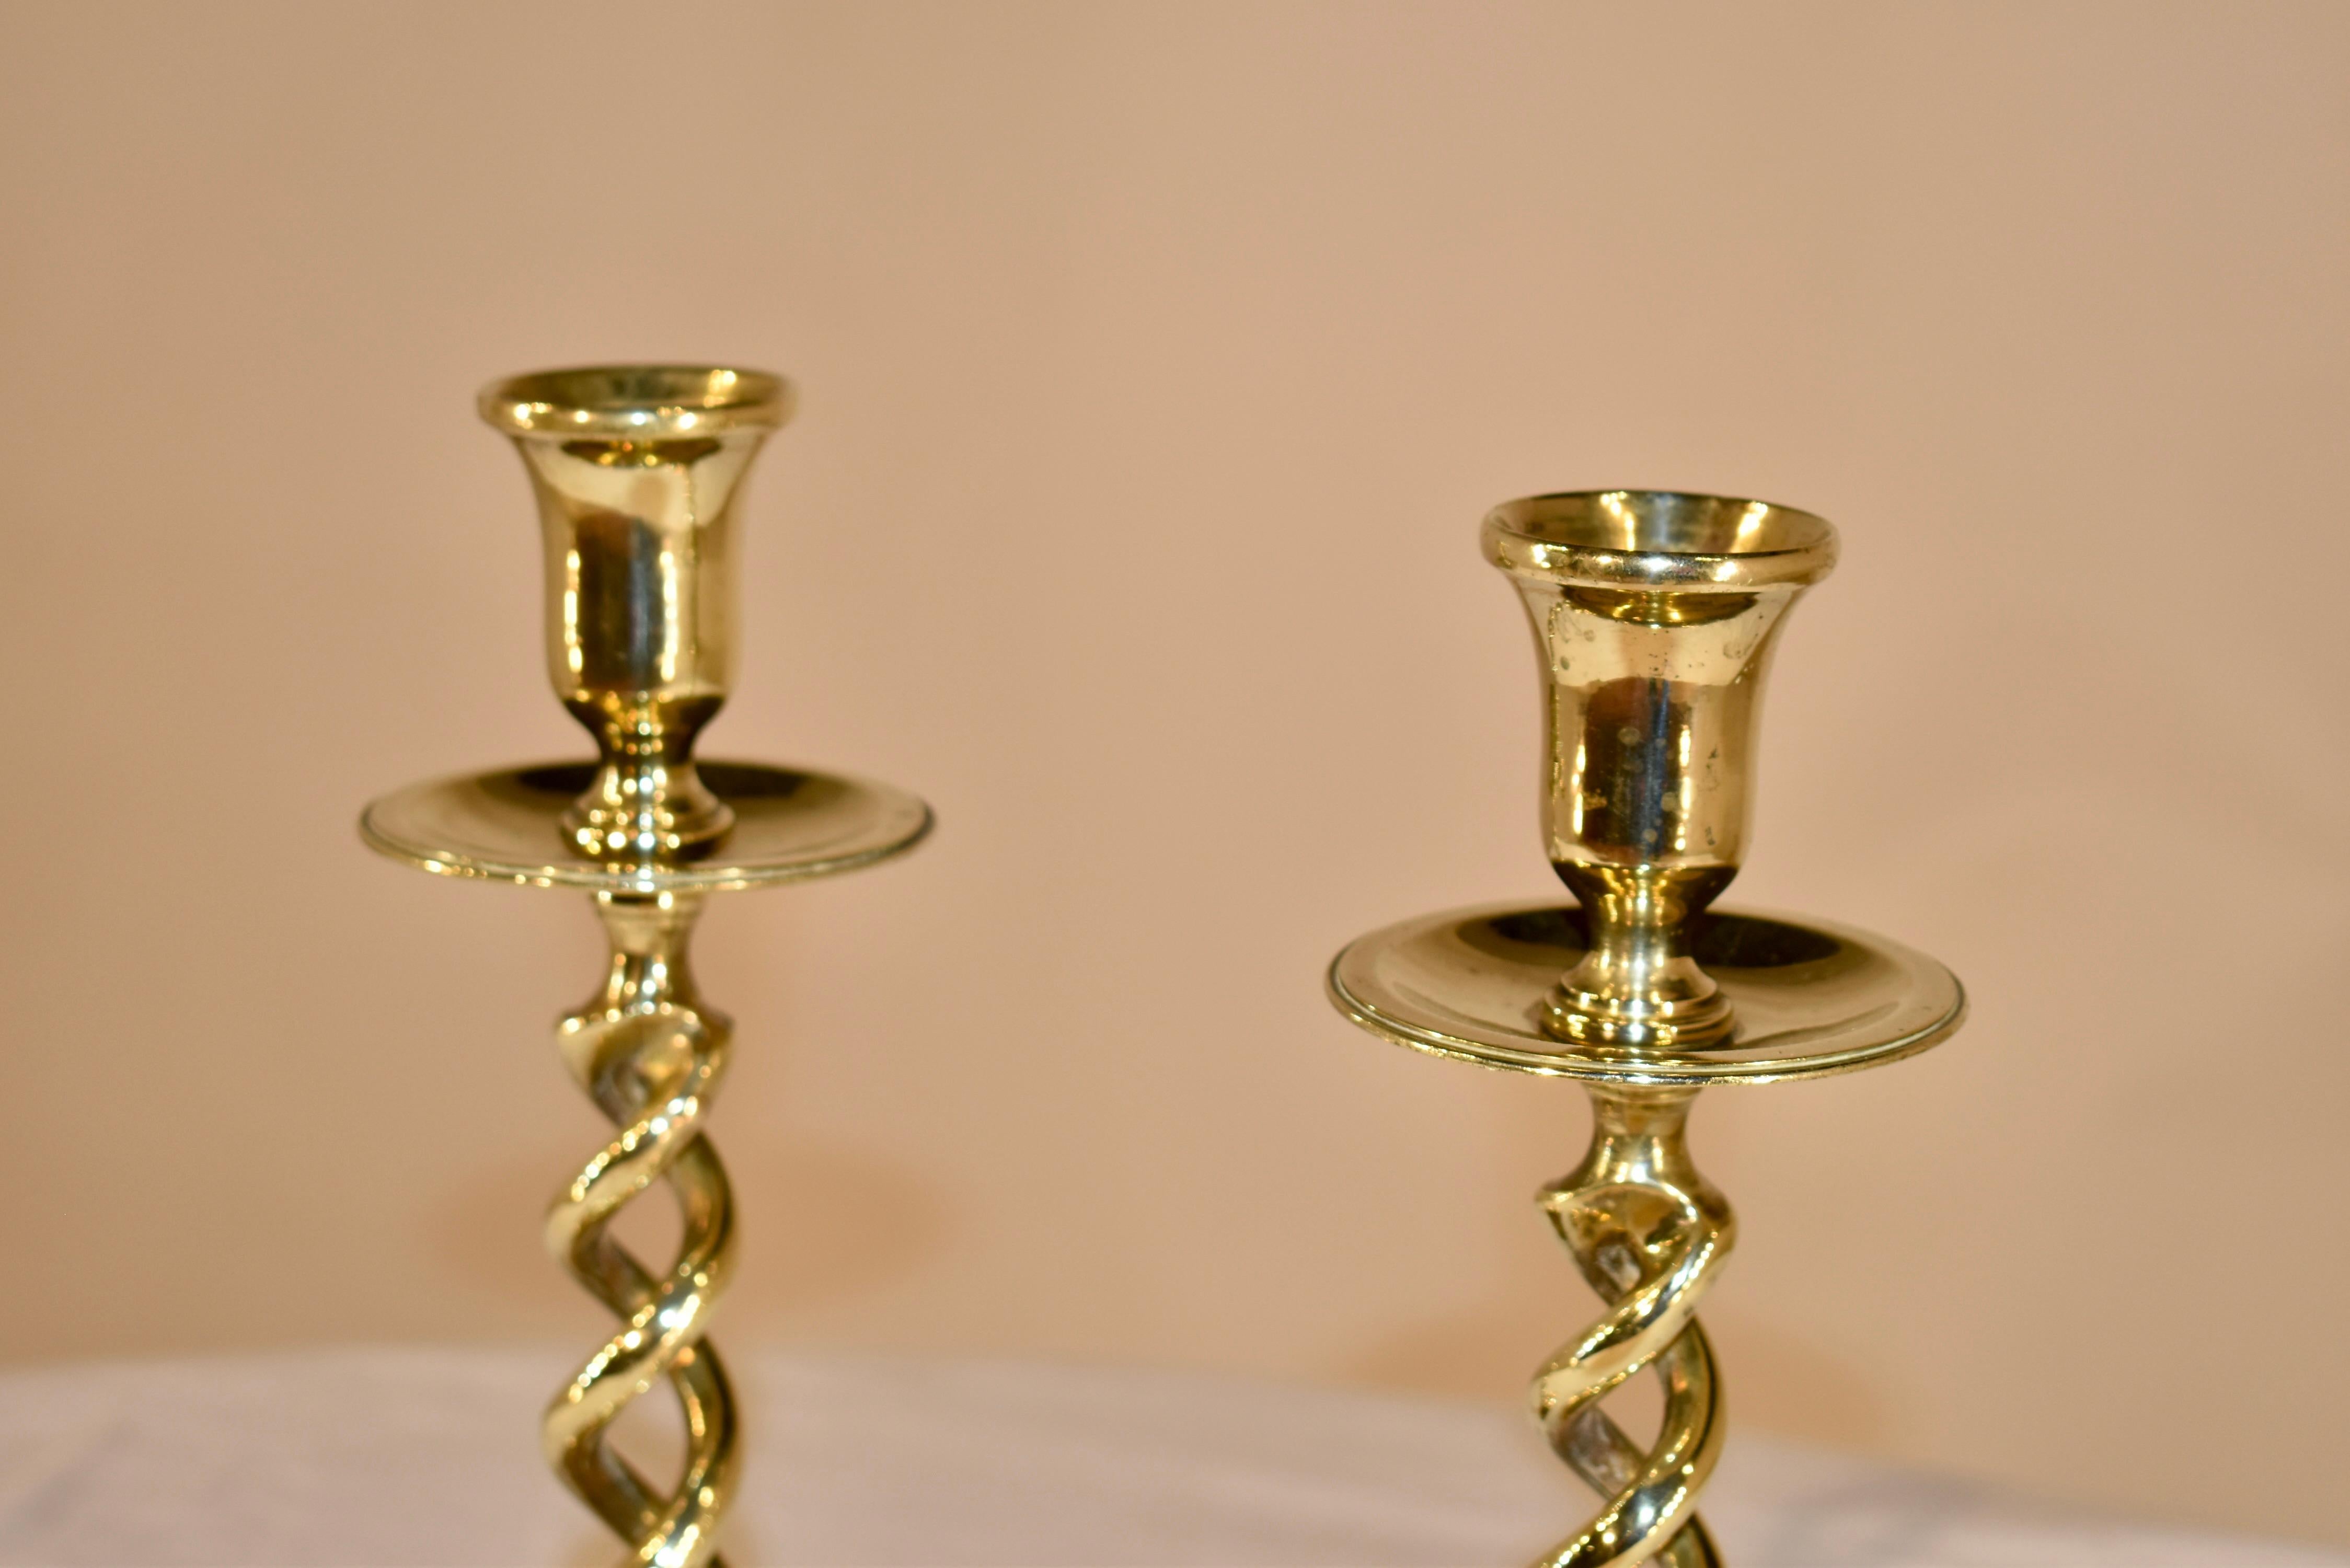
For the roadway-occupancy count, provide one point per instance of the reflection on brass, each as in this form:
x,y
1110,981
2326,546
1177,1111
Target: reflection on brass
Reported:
x,y
638,471
1654,618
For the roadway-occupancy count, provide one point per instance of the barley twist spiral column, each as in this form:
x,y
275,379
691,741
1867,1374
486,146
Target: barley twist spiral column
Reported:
x,y
1654,614
1650,1233
649,1053
636,471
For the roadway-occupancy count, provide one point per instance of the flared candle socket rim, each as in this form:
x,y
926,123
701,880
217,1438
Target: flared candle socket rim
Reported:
x,y
1555,538
638,403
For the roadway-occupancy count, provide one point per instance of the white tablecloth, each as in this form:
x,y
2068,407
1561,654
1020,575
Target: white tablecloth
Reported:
x,y
417,1457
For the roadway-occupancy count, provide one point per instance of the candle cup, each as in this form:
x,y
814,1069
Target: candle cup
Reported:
x,y
1655,616
636,471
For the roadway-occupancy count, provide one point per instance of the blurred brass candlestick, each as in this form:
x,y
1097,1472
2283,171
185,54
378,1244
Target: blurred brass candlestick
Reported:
x,y
638,470
1654,614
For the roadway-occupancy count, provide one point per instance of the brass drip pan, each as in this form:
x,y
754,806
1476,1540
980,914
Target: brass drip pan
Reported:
x,y
1811,999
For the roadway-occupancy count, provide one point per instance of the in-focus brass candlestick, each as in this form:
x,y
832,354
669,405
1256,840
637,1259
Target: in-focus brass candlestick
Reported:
x,y
636,471
1654,614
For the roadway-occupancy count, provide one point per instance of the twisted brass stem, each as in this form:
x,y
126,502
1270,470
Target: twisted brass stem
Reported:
x,y
1650,1233
649,1050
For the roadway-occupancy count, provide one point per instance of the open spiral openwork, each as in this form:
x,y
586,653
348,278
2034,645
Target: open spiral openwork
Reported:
x,y
649,1053
1650,1233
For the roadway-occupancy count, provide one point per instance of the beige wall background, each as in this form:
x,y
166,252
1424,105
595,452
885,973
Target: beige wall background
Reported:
x,y
1157,362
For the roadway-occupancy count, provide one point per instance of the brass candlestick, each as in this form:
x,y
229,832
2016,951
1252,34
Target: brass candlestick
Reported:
x,y
637,469
1655,616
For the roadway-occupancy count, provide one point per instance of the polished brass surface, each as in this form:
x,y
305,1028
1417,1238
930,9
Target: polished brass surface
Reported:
x,y
1655,615
1807,999
649,1052
638,470
1650,1233
512,825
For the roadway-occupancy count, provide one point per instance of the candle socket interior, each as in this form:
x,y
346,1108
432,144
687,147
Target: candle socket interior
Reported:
x,y
1655,613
